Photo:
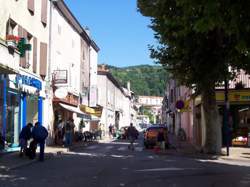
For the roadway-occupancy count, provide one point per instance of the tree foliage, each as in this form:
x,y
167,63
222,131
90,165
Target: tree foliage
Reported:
x,y
145,79
198,41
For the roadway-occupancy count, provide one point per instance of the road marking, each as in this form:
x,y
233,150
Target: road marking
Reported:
x,y
109,147
126,148
138,148
166,169
122,148
92,147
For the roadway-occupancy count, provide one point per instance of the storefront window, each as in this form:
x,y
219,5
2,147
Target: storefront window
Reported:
x,y
12,120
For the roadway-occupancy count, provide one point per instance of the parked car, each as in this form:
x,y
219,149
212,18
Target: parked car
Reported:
x,y
151,134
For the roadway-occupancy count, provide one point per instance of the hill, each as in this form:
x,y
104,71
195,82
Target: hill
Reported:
x,y
145,79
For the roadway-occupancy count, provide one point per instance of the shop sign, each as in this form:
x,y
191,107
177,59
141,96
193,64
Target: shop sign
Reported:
x,y
61,93
234,96
60,76
30,81
23,46
186,107
91,111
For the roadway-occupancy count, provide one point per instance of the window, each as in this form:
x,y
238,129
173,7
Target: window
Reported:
x,y
44,12
171,96
31,6
34,48
29,54
43,59
11,28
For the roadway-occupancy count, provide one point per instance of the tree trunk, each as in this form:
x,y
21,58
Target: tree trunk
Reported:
x,y
212,122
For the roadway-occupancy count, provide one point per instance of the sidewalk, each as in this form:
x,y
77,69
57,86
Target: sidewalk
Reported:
x,y
185,148
10,161
237,153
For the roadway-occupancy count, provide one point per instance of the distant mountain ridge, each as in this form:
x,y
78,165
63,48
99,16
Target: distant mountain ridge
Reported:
x,y
149,80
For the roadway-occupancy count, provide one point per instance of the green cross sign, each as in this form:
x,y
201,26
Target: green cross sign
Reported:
x,y
23,47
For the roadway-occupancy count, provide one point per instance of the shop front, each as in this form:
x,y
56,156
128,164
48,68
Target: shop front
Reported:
x,y
239,116
95,114
65,108
20,103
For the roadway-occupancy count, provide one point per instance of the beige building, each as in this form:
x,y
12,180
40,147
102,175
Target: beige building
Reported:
x,y
154,103
117,102
24,98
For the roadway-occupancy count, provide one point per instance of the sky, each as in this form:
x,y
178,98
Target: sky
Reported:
x,y
119,30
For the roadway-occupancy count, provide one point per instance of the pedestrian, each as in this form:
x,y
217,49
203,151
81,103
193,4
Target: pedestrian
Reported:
x,y
110,130
161,139
24,136
132,134
59,132
69,131
39,134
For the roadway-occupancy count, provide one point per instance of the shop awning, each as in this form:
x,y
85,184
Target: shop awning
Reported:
x,y
92,111
75,110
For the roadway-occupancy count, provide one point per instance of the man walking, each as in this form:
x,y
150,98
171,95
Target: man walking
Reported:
x,y
40,134
132,135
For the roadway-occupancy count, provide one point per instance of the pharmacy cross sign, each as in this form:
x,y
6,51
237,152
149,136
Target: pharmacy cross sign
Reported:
x,y
22,46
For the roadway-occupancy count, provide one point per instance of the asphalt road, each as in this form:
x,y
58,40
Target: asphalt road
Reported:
x,y
112,164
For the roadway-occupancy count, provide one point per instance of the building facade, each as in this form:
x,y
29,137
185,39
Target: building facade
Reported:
x,y
24,29
177,109
154,104
72,68
116,102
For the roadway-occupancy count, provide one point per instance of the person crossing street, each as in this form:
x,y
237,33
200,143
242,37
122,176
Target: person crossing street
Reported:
x,y
132,135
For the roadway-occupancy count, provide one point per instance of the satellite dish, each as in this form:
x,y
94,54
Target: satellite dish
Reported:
x,y
61,93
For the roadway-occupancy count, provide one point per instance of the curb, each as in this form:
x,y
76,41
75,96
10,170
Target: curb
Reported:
x,y
234,159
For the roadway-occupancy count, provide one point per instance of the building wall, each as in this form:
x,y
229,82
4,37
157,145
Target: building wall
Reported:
x,y
93,77
85,72
113,100
150,100
68,56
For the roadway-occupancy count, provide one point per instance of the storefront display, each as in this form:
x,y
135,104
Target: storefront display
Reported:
x,y
20,103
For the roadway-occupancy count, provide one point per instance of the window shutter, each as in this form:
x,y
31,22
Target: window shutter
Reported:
x,y
23,34
44,12
34,54
43,59
31,6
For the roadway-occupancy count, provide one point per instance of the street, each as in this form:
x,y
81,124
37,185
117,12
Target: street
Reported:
x,y
112,164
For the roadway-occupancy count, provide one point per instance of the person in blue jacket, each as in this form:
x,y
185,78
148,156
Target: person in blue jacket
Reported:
x,y
39,134
24,136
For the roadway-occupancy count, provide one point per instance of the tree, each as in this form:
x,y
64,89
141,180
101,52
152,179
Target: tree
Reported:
x,y
198,41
